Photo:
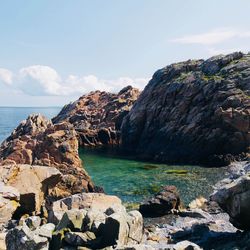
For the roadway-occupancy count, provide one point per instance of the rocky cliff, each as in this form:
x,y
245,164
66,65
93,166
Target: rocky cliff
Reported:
x,y
97,116
36,141
193,111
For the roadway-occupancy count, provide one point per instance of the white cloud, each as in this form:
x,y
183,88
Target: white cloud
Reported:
x,y
6,76
40,80
213,37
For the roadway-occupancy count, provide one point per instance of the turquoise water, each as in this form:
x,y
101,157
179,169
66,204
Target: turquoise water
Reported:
x,y
10,117
133,181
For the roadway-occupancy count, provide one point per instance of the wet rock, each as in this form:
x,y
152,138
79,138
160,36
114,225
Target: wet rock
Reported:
x,y
36,141
193,111
162,203
97,116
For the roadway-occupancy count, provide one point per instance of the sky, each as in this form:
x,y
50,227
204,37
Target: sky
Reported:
x,y
52,52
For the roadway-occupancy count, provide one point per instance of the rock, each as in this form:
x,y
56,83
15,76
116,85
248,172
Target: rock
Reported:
x,y
80,239
22,238
46,230
36,141
186,245
33,222
97,116
9,202
96,221
72,219
2,241
162,203
234,198
195,111
136,247
135,223
31,184
97,201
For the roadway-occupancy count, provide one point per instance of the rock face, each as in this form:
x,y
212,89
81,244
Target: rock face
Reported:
x,y
233,195
97,116
36,141
193,111
162,203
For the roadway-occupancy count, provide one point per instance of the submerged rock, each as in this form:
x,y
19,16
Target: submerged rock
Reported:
x,y
193,111
97,116
36,141
162,203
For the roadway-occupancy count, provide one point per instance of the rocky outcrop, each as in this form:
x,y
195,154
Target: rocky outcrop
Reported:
x,y
23,190
162,203
97,116
193,111
36,141
233,195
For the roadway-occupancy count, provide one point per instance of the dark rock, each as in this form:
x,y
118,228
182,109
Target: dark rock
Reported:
x,y
193,111
162,203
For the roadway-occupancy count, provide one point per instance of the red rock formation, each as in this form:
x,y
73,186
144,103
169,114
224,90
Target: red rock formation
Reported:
x,y
36,141
97,116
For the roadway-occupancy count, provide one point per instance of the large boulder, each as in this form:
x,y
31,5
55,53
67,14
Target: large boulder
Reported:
x,y
233,195
162,203
36,141
193,111
23,189
97,116
95,221
26,187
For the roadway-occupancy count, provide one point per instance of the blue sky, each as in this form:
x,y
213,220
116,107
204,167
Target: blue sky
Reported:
x,y
51,52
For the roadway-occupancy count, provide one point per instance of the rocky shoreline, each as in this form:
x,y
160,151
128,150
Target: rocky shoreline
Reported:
x,y
195,111
100,221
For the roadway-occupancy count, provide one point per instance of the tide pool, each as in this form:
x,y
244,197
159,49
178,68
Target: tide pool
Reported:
x,y
133,181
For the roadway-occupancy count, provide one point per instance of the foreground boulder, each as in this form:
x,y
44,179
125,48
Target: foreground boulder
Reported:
x,y
95,221
23,189
233,195
97,116
193,111
162,203
36,141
